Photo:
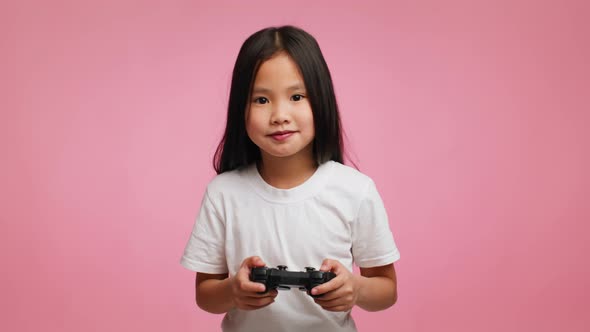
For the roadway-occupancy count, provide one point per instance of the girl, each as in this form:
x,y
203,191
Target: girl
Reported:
x,y
282,196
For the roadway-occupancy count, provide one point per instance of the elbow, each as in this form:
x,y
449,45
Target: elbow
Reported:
x,y
207,306
390,303
199,302
204,305
390,300
393,299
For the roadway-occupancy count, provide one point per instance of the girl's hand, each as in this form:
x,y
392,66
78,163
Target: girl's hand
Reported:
x,y
340,293
245,292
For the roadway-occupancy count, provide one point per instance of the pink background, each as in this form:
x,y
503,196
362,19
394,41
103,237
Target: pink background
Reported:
x,y
471,116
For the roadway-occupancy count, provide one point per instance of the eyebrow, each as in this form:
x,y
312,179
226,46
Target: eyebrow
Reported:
x,y
297,86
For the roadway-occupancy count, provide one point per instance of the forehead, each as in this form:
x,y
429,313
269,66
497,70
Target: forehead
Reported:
x,y
278,73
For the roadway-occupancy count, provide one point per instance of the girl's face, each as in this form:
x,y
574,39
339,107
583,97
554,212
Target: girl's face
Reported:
x,y
279,119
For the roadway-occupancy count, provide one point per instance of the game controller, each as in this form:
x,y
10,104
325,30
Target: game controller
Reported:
x,y
280,278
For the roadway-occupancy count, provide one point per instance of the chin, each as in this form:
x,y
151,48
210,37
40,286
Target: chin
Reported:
x,y
281,154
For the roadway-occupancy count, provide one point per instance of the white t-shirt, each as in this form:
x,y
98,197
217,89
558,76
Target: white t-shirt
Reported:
x,y
337,213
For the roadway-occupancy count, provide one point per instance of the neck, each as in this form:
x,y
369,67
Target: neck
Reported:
x,y
286,173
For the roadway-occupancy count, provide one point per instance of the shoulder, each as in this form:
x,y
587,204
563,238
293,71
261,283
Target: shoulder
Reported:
x,y
347,174
348,179
229,181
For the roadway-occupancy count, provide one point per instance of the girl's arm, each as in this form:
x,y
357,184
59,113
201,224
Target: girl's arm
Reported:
x,y
213,292
377,288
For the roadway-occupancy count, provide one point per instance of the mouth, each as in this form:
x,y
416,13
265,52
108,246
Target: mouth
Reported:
x,y
281,135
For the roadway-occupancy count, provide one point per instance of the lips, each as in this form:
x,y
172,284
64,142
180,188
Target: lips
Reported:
x,y
281,135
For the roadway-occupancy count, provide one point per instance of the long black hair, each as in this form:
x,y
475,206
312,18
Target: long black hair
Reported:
x,y
235,149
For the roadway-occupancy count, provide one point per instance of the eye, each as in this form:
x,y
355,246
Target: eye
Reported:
x,y
262,100
298,97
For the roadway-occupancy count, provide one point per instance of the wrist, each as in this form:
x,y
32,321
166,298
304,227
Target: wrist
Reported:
x,y
360,285
229,290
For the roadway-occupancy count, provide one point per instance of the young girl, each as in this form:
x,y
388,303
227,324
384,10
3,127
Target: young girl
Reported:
x,y
282,196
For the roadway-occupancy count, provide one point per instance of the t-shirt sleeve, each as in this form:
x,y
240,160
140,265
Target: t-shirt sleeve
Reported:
x,y
205,250
372,240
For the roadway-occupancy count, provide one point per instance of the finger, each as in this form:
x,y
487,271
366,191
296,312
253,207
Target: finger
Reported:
x,y
243,275
329,286
244,285
327,265
338,308
336,304
332,265
251,307
253,261
328,296
271,293
331,300
257,302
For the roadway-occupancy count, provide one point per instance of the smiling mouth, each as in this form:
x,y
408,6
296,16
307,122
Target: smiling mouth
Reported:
x,y
281,135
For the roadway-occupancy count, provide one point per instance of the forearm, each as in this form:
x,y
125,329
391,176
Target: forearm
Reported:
x,y
214,296
376,293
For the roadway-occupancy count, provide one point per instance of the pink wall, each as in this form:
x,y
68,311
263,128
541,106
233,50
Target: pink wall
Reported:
x,y
471,118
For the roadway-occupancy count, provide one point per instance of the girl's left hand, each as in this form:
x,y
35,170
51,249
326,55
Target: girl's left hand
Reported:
x,y
340,293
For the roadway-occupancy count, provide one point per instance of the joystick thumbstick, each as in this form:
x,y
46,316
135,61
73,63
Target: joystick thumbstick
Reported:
x,y
309,269
282,267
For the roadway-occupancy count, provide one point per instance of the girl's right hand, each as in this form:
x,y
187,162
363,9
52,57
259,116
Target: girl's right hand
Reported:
x,y
245,292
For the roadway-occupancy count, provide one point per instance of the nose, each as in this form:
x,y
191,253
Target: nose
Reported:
x,y
280,114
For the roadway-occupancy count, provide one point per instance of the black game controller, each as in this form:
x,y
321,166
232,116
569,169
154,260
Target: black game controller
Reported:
x,y
282,279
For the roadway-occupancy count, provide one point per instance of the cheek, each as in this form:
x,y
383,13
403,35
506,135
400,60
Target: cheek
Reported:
x,y
254,125
308,123
250,129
